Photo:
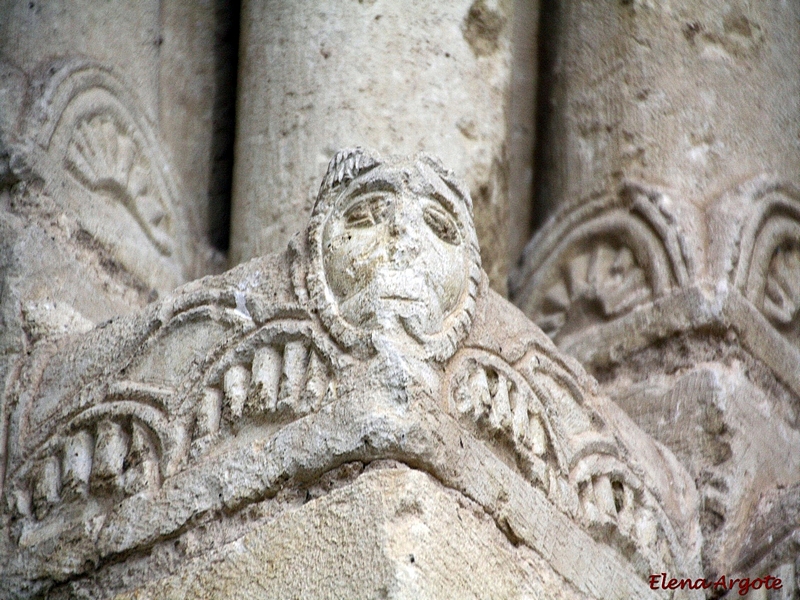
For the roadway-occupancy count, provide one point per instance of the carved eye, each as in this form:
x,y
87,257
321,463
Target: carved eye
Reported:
x,y
441,223
367,212
359,215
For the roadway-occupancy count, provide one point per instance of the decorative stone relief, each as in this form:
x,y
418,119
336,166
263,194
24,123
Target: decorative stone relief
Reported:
x,y
704,336
105,158
600,260
769,250
88,121
92,220
373,337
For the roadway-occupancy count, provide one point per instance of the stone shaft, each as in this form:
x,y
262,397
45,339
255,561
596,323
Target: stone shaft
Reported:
x,y
400,77
669,261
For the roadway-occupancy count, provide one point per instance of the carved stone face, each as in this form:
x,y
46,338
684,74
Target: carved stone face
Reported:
x,y
398,256
394,254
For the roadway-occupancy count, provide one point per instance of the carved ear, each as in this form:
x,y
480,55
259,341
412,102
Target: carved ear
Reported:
x,y
347,165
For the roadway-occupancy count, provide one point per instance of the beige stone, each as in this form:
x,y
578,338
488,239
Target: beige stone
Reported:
x,y
401,78
692,97
196,419
668,264
391,534
105,155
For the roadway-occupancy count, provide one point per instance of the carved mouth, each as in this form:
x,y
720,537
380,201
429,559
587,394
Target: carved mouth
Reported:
x,y
405,298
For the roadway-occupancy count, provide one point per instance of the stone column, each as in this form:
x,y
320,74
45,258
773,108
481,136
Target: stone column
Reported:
x,y
669,263
522,124
105,150
400,77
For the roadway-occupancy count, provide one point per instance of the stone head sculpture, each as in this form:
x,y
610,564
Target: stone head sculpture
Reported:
x,y
379,340
393,253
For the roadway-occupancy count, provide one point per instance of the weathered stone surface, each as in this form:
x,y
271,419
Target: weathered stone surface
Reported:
x,y
398,77
703,340
96,217
245,387
393,533
693,97
669,262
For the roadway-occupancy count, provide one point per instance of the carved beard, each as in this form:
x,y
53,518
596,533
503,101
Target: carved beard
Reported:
x,y
357,321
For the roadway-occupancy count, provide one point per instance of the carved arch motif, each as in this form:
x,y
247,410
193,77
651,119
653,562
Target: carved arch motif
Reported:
x,y
598,261
768,266
123,437
617,507
124,445
276,373
89,126
536,408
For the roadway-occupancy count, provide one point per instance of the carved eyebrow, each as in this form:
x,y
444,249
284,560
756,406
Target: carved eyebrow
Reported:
x,y
446,203
374,185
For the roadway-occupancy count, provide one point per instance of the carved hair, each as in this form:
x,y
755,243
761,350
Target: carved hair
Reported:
x,y
346,166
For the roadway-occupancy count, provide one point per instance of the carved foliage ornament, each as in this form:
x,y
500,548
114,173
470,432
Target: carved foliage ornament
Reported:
x,y
108,159
240,384
596,262
768,266
88,138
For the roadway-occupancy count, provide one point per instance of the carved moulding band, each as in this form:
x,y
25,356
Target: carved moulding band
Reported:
x,y
593,263
96,150
767,270
233,477
264,410
533,408
260,393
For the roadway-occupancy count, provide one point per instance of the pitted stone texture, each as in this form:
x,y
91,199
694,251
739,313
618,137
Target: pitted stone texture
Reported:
x,y
400,78
124,36
105,155
391,534
663,94
241,387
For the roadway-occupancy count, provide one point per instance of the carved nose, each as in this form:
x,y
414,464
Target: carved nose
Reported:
x,y
403,239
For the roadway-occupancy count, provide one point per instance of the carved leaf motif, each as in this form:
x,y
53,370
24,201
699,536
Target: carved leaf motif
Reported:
x,y
106,158
77,465
286,378
602,282
617,507
105,458
505,405
46,486
782,291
